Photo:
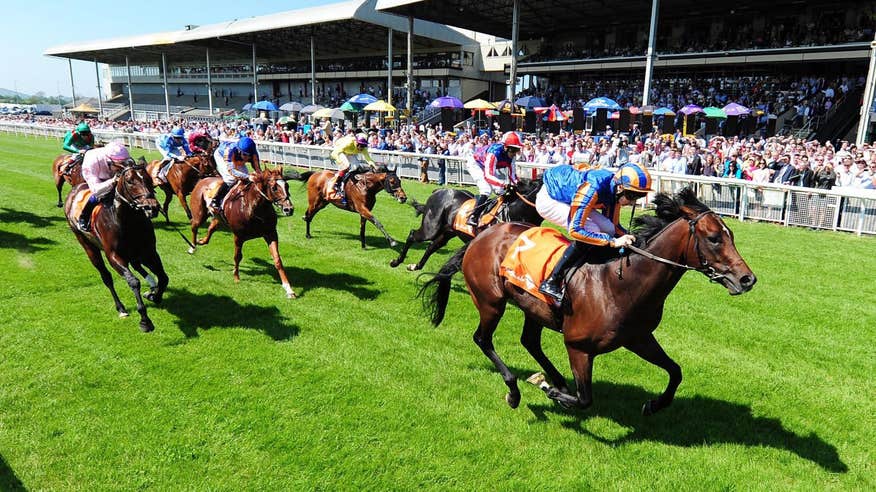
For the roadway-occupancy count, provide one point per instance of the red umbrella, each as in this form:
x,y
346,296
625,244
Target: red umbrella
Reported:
x,y
635,110
553,113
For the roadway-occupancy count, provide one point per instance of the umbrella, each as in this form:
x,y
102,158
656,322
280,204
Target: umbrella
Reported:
x,y
530,102
713,112
335,114
247,106
690,109
362,99
663,112
479,105
600,103
446,102
506,106
552,113
265,106
380,106
634,110
311,108
291,106
351,108
614,116
284,120
647,109
734,109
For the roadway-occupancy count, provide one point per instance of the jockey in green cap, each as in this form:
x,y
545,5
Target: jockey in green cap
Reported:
x,y
77,141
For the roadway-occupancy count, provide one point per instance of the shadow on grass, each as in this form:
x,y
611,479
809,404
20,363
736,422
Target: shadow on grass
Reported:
x,y
8,215
373,238
22,243
206,311
305,279
8,479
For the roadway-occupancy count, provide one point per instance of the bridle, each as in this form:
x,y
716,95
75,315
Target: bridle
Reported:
x,y
132,202
704,267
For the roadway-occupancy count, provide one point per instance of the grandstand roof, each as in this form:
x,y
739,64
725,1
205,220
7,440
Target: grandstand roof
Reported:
x,y
348,28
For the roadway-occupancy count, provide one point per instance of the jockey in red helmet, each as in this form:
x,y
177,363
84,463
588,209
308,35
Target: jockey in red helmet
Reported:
x,y
482,167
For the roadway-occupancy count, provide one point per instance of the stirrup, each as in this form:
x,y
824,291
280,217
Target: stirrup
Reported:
x,y
554,291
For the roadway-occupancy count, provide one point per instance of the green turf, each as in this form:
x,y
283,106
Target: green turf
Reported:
x,y
349,387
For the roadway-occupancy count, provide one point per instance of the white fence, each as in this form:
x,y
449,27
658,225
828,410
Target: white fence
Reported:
x,y
843,209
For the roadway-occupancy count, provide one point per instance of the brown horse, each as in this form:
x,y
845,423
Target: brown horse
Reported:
x,y
618,303
360,194
182,175
123,230
248,209
73,176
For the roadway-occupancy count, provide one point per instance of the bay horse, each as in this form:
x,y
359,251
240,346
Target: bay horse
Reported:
x,y
442,206
618,303
123,230
360,192
248,209
182,175
73,176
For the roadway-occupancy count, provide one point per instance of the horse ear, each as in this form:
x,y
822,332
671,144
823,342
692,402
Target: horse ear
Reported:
x,y
280,170
141,161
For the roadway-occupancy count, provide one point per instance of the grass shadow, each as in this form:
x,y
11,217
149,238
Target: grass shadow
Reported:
x,y
205,311
373,238
8,479
8,215
24,244
308,278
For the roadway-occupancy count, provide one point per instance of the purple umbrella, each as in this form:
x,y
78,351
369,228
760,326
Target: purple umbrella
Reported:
x,y
734,109
690,109
446,102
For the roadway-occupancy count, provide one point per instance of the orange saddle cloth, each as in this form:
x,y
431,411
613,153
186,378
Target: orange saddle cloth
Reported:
x,y
532,257
461,218
79,201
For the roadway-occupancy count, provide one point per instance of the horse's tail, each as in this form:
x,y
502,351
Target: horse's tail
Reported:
x,y
435,292
418,207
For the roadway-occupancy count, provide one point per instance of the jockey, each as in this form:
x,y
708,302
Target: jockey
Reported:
x,y
348,154
173,147
77,141
231,159
98,174
482,167
569,198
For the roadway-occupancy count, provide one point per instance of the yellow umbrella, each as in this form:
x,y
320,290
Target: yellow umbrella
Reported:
x,y
479,104
336,114
83,108
380,106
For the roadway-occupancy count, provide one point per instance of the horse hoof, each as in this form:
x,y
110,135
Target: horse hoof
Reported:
x,y
123,314
150,296
146,326
512,400
394,263
191,251
412,267
59,205
291,295
393,244
648,408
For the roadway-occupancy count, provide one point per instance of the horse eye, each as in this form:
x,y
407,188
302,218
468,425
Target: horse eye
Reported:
x,y
715,239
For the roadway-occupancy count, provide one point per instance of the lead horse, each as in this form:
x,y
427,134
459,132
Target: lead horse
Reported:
x,y
605,307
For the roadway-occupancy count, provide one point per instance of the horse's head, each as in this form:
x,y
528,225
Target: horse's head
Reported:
x,y
134,187
709,248
521,201
392,184
207,143
274,187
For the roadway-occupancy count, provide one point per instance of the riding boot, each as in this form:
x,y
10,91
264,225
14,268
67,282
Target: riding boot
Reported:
x,y
85,216
475,218
553,285
340,181
216,203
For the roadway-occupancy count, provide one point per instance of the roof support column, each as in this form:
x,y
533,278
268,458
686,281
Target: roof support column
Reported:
x,y
312,70
652,55
166,96
99,95
869,90
255,80
410,83
72,84
515,33
130,89
209,83
389,69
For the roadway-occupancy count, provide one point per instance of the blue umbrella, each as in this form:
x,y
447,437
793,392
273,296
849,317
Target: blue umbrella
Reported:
x,y
601,103
362,99
663,112
446,102
265,106
530,102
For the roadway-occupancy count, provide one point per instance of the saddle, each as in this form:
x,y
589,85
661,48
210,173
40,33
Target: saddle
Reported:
x,y
212,188
460,220
532,257
79,201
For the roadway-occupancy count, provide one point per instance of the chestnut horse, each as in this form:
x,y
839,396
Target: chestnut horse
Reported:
x,y
182,175
73,176
123,230
609,305
248,209
440,210
360,193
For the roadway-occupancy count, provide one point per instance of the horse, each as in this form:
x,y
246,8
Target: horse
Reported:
x,y
123,230
360,193
441,208
72,176
617,303
182,176
248,209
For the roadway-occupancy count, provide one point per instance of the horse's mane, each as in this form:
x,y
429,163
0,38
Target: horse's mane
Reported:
x,y
668,209
526,186
266,174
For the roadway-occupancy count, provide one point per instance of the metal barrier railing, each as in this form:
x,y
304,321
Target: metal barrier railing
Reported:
x,y
843,209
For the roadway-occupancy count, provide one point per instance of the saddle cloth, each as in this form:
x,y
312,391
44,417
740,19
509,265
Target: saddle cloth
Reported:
x,y
532,257
329,190
78,204
461,218
212,188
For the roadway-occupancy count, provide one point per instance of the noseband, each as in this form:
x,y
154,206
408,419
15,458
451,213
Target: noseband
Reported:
x,y
132,202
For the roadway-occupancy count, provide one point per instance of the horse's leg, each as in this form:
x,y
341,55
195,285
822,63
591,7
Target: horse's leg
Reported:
x,y
483,338
185,205
531,340
582,370
313,207
159,285
59,184
238,255
404,252
648,348
367,215
274,248
214,224
362,231
105,275
168,195
134,283
437,244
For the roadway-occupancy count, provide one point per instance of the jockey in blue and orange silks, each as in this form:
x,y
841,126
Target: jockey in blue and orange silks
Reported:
x,y
482,166
571,198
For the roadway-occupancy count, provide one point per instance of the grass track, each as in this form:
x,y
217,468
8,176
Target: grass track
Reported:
x,y
349,387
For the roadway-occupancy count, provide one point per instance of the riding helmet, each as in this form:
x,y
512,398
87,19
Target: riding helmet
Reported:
x,y
83,128
512,139
246,146
362,140
116,151
178,132
634,178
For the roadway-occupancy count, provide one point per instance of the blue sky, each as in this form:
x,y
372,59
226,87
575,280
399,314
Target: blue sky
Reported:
x,y
28,28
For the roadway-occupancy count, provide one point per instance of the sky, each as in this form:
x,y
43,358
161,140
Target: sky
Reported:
x,y
29,28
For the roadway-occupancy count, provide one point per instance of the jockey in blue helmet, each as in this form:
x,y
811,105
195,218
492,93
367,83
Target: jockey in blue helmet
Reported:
x,y
231,159
173,147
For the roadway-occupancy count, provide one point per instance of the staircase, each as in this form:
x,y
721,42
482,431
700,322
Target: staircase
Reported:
x,y
844,116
